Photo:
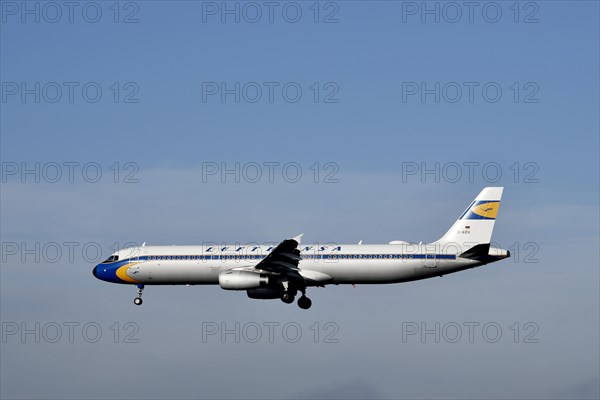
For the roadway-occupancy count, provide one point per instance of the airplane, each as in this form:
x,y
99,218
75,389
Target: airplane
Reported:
x,y
280,272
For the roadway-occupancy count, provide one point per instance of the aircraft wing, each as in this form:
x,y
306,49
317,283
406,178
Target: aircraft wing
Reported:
x,y
284,258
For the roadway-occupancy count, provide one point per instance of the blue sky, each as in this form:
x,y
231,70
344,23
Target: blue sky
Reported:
x,y
372,132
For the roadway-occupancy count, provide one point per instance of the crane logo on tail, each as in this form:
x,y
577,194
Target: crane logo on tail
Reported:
x,y
482,209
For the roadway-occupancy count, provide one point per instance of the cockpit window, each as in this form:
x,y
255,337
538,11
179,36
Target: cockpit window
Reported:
x,y
111,259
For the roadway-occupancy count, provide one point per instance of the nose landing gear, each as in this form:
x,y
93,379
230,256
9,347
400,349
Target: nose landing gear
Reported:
x,y
138,300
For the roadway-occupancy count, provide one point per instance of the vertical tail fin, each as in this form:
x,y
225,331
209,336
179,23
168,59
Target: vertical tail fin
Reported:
x,y
476,223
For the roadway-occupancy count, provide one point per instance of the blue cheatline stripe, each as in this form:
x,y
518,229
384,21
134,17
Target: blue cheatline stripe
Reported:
x,y
306,257
476,216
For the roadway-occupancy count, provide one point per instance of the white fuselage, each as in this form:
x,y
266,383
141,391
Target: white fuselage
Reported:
x,y
288,268
334,264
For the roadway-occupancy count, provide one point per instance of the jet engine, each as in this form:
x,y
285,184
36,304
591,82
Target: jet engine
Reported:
x,y
242,280
265,293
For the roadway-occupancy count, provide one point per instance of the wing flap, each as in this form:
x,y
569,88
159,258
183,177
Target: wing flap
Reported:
x,y
284,258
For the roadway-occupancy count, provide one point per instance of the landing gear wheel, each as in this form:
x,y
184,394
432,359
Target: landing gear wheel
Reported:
x,y
138,300
287,297
304,303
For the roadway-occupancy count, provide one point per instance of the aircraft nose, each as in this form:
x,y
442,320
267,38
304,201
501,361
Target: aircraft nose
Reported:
x,y
94,271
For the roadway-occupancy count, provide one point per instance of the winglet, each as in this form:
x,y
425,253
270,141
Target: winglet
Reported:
x,y
298,238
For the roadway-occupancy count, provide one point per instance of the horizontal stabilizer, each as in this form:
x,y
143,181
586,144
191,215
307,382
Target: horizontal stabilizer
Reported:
x,y
482,253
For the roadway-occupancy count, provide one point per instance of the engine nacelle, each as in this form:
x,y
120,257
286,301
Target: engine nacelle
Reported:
x,y
264,293
242,280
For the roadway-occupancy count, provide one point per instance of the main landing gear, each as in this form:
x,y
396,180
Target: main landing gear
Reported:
x,y
288,297
304,302
138,300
